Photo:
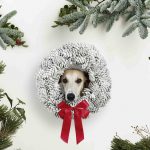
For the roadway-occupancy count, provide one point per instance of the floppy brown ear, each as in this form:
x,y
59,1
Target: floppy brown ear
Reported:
x,y
87,81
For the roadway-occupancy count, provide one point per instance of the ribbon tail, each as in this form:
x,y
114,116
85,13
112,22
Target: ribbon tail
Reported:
x,y
66,127
78,128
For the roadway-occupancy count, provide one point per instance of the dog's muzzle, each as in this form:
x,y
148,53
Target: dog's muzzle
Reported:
x,y
70,96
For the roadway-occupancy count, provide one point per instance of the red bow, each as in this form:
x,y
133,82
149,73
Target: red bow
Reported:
x,y
80,111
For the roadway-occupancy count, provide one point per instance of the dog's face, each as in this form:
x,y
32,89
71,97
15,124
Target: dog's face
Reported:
x,y
73,82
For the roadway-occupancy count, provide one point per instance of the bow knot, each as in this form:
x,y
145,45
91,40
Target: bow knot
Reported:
x,y
80,111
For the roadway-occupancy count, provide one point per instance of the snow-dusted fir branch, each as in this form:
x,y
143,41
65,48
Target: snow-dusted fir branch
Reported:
x,y
79,12
10,35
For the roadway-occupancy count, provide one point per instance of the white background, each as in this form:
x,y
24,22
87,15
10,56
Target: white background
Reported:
x,y
129,67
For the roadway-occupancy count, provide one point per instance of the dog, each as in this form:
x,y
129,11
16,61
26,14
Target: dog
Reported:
x,y
73,82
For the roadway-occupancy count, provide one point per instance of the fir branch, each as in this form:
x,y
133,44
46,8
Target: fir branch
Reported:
x,y
143,32
107,12
71,17
144,144
130,29
104,5
2,44
11,32
77,3
121,5
76,24
4,20
85,24
11,118
8,40
110,23
1,93
10,35
2,67
146,22
95,19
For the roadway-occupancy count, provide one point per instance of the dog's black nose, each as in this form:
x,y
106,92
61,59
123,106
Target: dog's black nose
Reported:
x,y
70,96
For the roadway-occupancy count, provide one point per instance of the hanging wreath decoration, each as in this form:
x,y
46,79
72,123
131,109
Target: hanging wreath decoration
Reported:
x,y
73,56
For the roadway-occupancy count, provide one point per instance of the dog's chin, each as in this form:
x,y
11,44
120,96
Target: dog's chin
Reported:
x,y
71,101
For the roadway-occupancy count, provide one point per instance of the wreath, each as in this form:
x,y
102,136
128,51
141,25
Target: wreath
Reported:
x,y
74,56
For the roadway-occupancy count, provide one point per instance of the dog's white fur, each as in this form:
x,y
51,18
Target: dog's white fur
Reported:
x,y
73,82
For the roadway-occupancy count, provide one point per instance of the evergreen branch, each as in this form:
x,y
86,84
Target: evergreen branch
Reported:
x,y
4,20
11,118
144,144
130,29
2,67
105,4
1,93
10,35
95,19
113,6
7,39
11,32
106,12
143,32
109,23
85,24
76,24
121,5
77,3
5,143
71,17
146,22
2,44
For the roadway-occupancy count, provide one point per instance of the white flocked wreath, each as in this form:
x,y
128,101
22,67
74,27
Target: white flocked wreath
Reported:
x,y
74,56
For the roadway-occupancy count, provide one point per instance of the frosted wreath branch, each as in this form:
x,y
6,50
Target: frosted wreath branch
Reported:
x,y
74,56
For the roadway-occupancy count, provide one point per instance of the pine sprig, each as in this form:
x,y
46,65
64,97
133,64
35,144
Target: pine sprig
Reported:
x,y
143,144
10,35
11,118
79,12
2,67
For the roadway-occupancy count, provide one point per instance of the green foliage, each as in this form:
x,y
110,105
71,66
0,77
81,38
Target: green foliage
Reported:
x,y
10,35
11,118
119,144
143,144
78,14
65,11
2,66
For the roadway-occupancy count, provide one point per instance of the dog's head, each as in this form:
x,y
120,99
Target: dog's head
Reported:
x,y
73,82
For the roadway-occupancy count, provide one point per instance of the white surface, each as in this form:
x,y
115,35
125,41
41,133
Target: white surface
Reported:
x,y
127,60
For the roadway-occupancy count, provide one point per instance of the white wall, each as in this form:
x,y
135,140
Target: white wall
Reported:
x,y
127,60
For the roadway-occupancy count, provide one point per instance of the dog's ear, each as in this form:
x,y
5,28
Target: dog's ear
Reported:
x,y
60,79
87,81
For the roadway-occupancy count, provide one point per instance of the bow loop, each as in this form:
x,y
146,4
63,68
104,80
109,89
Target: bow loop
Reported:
x,y
82,104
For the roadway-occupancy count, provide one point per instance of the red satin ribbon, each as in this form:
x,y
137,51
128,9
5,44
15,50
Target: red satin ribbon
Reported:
x,y
80,111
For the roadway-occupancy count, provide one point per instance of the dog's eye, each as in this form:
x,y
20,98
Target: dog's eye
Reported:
x,y
78,81
65,80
